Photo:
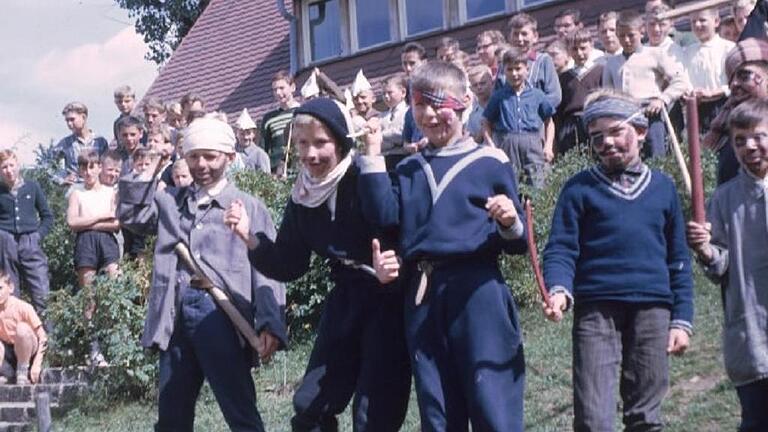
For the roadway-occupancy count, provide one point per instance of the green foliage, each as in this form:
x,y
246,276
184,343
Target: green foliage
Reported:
x,y
116,324
163,23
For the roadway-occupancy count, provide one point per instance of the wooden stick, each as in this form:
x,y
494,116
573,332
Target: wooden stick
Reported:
x,y
533,252
221,298
678,153
694,150
693,7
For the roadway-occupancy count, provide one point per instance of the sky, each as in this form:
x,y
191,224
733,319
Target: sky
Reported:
x,y
57,51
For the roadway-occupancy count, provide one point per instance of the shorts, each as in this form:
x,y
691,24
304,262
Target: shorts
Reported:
x,y
8,362
96,250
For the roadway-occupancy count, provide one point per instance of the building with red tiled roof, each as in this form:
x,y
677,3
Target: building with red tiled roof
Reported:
x,y
235,47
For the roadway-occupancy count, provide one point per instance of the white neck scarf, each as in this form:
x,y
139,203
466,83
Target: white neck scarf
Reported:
x,y
312,192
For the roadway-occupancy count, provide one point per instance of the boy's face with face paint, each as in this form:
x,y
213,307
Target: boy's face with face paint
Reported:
x,y
440,125
616,142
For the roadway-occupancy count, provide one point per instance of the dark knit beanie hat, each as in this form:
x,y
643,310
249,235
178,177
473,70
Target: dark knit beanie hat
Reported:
x,y
331,115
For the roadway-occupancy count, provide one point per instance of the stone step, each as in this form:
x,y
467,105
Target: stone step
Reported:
x,y
21,412
60,393
15,427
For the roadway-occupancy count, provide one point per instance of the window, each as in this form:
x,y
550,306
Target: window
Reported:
x,y
474,9
371,20
422,15
323,26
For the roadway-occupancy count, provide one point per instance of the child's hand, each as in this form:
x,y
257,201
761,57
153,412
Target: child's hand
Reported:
x,y
502,210
678,341
549,155
269,343
698,236
236,218
654,106
373,137
385,263
34,373
557,304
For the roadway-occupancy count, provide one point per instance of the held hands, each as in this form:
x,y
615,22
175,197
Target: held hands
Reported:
x,y
385,263
678,341
236,218
698,237
502,210
557,304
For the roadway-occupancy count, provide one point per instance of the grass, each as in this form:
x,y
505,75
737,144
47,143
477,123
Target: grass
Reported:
x,y
700,397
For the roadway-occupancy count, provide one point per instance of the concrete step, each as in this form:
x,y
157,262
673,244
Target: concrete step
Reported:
x,y
59,393
15,427
22,412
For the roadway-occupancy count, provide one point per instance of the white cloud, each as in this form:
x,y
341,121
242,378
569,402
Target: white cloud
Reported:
x,y
22,139
96,67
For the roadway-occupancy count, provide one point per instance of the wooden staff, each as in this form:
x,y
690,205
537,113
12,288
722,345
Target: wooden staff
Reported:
x,y
678,153
694,149
221,299
533,252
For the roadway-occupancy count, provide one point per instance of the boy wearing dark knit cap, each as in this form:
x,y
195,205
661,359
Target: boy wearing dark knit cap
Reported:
x,y
632,300
359,352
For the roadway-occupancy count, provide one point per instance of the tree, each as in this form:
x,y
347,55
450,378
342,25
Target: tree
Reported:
x,y
163,23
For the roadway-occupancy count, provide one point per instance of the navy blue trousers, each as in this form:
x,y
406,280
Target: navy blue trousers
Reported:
x,y
466,350
753,398
23,259
656,138
359,351
205,345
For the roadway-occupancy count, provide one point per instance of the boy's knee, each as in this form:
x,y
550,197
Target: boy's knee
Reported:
x,y
25,334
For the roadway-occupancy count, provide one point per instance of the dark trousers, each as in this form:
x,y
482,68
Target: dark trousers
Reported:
x,y
134,244
655,138
466,350
205,345
633,338
571,133
753,398
22,257
359,350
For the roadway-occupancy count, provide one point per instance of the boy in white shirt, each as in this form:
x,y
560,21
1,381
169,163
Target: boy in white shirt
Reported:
x,y
704,62
393,120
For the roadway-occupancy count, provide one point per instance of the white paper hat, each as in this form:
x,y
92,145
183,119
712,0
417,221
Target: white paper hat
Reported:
x,y
208,133
310,88
348,100
360,84
245,121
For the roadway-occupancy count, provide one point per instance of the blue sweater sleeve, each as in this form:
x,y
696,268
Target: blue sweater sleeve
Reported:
x,y
550,82
509,188
379,194
562,250
43,211
285,258
679,264
493,109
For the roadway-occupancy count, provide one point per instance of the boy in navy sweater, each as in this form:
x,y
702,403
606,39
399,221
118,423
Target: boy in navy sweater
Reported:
x,y
456,207
25,220
617,253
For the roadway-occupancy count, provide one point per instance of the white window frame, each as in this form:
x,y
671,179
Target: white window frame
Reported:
x,y
403,20
463,19
306,37
394,27
522,6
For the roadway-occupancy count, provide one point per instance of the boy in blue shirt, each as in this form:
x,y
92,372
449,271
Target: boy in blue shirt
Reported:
x,y
455,204
617,253
515,115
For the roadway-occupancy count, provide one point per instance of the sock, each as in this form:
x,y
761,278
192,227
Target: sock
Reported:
x,y
22,370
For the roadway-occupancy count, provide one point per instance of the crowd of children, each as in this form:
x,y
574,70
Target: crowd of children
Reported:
x,y
432,188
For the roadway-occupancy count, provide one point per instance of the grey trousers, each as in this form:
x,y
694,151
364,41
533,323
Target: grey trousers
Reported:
x,y
526,152
630,337
23,259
